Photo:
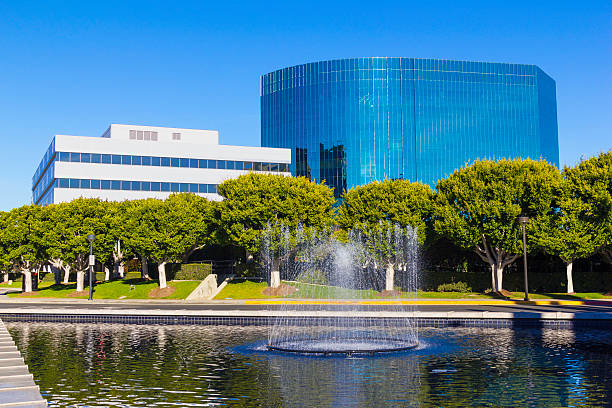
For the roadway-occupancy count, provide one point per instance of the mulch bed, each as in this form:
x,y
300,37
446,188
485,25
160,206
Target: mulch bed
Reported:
x,y
282,290
77,294
389,293
161,293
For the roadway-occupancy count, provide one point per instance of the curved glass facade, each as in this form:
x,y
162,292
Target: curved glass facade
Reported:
x,y
352,121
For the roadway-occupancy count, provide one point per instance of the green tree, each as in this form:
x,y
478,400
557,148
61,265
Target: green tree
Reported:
x,y
141,222
569,232
396,201
82,217
252,201
23,243
591,182
184,225
477,207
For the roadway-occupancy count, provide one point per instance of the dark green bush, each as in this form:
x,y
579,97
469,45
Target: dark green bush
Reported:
x,y
461,287
194,271
314,276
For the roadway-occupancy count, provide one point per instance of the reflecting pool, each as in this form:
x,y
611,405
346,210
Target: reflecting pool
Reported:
x,y
134,366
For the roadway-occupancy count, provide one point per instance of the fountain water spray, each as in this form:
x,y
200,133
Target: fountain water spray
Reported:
x,y
338,279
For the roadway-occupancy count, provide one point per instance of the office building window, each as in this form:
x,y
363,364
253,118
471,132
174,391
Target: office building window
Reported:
x,y
176,136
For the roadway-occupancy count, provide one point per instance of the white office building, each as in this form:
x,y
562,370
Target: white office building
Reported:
x,y
132,162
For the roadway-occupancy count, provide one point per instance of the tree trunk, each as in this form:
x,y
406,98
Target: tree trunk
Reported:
x,y
27,277
145,268
66,274
119,269
6,277
389,277
106,274
275,273
493,279
161,269
500,275
81,280
570,280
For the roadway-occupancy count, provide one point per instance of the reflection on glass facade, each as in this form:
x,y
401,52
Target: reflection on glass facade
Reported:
x,y
353,121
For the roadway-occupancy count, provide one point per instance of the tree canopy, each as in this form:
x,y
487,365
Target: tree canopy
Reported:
x,y
477,207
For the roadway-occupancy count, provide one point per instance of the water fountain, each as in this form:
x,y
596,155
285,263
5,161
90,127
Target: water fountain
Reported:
x,y
337,278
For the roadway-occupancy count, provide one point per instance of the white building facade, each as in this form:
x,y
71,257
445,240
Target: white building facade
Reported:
x,y
134,162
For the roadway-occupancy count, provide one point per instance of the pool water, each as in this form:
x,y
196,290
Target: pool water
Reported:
x,y
110,365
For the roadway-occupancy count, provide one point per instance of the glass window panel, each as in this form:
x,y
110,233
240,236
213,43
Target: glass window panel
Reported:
x,y
85,183
106,158
256,166
165,162
136,186
239,165
75,157
230,164
145,186
154,136
184,187
212,188
274,167
147,135
155,186
136,160
116,159
248,165
220,164
203,188
212,164
193,163
202,163
165,186
174,162
105,184
139,134
126,185
193,188
64,183
75,183
96,158
132,135
126,159
95,184
146,160
85,158
155,161
115,185
64,156
184,162
174,187
284,167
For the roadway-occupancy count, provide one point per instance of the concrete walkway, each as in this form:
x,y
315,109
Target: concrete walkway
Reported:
x,y
431,309
17,388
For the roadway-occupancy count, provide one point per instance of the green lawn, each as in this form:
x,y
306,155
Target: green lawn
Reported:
x,y
253,290
124,289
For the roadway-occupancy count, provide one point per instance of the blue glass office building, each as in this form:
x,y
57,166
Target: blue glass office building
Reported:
x,y
352,121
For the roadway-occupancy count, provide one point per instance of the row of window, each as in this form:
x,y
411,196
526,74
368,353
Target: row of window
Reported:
x,y
135,185
170,162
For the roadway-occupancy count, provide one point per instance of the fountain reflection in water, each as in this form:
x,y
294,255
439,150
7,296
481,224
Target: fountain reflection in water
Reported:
x,y
354,270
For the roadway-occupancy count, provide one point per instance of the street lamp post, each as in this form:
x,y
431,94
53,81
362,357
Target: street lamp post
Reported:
x,y
524,221
92,262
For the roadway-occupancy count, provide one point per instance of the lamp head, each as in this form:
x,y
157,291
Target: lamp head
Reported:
x,y
91,237
523,220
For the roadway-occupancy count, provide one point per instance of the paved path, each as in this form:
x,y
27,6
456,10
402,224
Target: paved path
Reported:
x,y
443,309
17,388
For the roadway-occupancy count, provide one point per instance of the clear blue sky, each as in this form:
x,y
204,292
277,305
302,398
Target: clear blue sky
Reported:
x,y
74,67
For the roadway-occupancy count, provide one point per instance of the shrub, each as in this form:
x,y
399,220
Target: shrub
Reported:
x,y
461,287
194,271
313,276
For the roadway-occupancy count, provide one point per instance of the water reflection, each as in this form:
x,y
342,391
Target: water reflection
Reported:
x,y
129,366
